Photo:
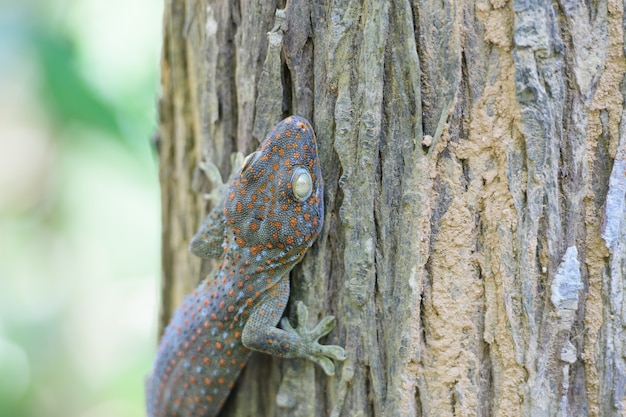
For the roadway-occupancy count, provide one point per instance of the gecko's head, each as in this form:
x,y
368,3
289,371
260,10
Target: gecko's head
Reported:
x,y
275,205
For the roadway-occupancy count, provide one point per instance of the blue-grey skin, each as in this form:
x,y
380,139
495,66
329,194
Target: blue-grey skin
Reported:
x,y
270,214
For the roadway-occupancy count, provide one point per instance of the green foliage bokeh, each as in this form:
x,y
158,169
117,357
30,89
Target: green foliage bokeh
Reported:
x,y
79,206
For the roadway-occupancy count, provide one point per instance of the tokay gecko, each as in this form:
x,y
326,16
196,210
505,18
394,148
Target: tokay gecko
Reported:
x,y
268,216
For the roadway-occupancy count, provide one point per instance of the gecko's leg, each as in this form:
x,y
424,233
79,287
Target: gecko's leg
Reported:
x,y
260,332
207,242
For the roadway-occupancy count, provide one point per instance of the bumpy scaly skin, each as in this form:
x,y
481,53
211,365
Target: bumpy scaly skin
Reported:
x,y
260,229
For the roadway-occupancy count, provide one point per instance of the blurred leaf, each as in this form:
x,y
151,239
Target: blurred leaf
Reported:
x,y
69,96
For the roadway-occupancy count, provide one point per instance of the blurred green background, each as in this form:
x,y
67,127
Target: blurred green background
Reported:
x,y
79,206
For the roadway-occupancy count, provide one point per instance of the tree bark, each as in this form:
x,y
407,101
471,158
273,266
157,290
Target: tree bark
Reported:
x,y
474,158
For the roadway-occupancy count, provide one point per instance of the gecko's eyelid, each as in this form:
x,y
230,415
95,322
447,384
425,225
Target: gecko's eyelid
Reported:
x,y
301,183
248,160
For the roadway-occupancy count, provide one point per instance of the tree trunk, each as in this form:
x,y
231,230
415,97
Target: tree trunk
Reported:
x,y
474,158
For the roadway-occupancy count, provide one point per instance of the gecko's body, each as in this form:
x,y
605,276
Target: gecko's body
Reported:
x,y
268,217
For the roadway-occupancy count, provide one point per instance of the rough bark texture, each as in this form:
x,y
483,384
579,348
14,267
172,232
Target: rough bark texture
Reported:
x,y
474,156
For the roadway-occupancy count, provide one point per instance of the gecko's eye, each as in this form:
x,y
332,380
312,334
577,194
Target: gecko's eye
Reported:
x,y
301,184
249,160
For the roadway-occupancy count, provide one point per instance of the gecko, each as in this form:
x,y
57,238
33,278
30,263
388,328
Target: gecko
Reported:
x,y
262,224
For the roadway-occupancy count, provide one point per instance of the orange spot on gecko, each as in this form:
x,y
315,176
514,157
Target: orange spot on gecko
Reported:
x,y
254,250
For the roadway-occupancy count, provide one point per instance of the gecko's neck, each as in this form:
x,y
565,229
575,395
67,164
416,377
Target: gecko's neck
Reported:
x,y
260,264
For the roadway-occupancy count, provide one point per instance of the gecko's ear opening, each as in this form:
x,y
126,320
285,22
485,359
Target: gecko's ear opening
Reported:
x,y
249,160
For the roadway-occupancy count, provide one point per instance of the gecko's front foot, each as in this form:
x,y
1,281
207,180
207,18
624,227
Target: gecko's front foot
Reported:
x,y
311,349
207,242
212,172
